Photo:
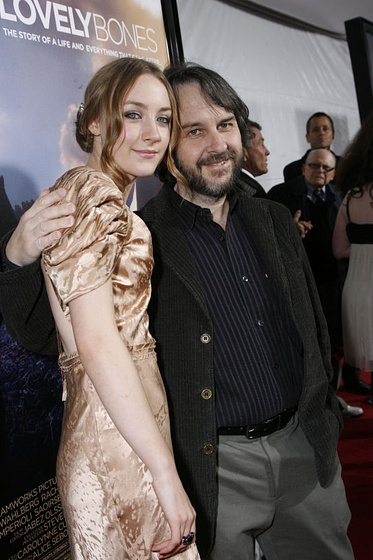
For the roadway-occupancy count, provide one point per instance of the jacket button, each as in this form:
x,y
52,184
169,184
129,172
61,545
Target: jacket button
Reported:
x,y
208,448
205,338
206,394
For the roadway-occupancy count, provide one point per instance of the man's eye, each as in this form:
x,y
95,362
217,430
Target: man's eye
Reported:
x,y
194,132
225,125
132,115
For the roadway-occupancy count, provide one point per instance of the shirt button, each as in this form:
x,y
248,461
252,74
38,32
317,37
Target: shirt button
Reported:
x,y
245,278
208,448
261,323
205,338
277,365
206,394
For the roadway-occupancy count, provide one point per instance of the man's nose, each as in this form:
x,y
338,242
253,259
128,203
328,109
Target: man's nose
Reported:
x,y
216,142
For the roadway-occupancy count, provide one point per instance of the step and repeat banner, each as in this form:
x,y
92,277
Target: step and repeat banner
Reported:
x,y
49,51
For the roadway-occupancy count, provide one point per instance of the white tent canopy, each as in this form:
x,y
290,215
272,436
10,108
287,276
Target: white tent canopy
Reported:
x,y
283,73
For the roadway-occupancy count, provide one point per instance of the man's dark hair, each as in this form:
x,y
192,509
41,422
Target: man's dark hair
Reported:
x,y
213,87
254,124
250,134
317,115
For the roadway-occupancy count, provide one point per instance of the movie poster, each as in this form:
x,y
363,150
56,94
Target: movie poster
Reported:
x,y
49,51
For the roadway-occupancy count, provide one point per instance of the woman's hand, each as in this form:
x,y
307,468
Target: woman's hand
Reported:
x,y
179,513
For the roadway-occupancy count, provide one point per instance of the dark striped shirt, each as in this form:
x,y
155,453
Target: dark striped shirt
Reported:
x,y
258,361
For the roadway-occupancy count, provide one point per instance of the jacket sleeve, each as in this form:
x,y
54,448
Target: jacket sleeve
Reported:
x,y
319,318
320,321
24,306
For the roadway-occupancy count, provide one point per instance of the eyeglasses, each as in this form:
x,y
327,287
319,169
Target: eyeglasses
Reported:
x,y
322,166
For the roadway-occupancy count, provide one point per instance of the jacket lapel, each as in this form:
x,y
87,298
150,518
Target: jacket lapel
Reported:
x,y
171,246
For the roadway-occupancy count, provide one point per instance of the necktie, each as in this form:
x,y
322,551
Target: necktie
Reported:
x,y
319,196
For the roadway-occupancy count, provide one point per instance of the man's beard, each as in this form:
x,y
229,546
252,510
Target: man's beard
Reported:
x,y
207,187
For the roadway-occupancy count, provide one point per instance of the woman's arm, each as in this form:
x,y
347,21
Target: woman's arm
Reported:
x,y
108,363
341,245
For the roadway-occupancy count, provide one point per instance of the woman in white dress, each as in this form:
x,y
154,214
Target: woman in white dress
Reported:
x,y
353,239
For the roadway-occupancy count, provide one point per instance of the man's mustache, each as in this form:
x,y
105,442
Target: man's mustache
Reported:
x,y
217,158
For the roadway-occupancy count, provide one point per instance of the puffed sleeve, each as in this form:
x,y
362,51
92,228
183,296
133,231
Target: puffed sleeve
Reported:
x,y
84,258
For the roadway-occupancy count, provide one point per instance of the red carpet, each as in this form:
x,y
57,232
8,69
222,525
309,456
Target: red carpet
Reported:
x,y
356,455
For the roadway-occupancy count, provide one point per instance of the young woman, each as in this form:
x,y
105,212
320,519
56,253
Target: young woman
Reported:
x,y
121,495
353,239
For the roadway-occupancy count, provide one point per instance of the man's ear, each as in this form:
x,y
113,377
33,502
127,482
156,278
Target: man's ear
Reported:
x,y
306,135
245,155
332,175
94,128
303,169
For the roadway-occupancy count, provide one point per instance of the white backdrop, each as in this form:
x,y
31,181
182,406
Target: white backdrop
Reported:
x,y
283,74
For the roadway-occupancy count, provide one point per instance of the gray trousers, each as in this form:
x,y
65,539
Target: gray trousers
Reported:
x,y
268,490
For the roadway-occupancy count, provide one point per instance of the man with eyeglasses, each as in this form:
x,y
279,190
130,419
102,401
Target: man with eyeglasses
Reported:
x,y
315,196
312,193
319,134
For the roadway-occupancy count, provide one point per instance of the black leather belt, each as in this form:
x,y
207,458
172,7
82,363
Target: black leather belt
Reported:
x,y
264,428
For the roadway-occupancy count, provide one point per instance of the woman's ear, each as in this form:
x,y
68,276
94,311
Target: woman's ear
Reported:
x,y
94,128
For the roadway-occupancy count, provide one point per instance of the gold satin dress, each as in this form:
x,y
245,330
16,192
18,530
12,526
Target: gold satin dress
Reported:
x,y
110,507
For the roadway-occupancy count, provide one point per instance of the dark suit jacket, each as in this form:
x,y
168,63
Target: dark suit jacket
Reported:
x,y
179,319
259,191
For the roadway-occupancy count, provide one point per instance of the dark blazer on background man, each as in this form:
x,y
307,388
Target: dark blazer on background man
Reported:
x,y
293,194
325,267
259,191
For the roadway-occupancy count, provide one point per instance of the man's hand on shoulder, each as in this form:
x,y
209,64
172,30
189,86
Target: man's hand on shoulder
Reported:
x,y
39,227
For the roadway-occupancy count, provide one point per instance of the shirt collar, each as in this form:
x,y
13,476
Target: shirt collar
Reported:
x,y
246,172
188,212
311,189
